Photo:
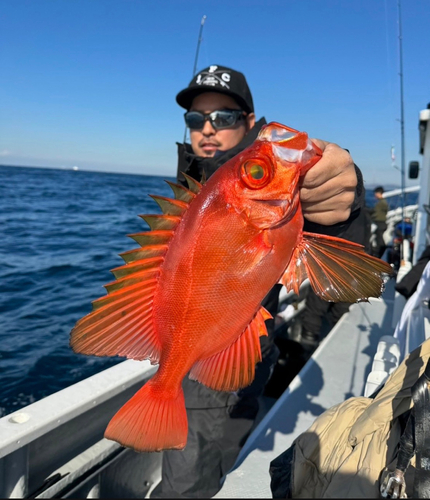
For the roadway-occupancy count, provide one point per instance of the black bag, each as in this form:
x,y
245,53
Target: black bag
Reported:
x,y
280,473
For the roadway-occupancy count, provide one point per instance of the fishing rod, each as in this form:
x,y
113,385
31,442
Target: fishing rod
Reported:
x,y
198,45
402,127
199,41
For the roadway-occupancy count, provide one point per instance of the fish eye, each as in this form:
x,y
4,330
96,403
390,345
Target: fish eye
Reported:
x,y
256,174
255,171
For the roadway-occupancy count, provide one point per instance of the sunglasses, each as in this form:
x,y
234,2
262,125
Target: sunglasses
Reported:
x,y
223,118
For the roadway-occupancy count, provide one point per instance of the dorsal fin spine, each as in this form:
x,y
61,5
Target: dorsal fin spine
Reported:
x,y
181,192
152,263
161,222
152,237
193,185
144,253
170,206
131,279
135,267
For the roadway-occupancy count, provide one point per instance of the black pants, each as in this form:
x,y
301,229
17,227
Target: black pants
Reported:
x,y
214,441
318,309
218,426
379,248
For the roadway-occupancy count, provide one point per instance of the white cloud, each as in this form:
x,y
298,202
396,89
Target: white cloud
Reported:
x,y
5,152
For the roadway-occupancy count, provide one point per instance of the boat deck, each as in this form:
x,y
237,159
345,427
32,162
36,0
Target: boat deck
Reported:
x,y
337,371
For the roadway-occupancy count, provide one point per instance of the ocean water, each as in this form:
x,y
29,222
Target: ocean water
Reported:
x,y
61,234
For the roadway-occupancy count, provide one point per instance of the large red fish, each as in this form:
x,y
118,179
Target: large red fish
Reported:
x,y
190,297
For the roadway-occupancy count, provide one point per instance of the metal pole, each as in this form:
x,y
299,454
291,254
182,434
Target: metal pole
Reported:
x,y
402,127
199,41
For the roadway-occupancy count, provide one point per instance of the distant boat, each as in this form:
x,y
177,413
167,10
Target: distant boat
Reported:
x,y
75,168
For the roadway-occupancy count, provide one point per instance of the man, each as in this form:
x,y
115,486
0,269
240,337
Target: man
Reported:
x,y
221,119
379,216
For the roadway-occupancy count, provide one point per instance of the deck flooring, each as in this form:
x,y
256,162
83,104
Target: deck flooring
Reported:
x,y
337,371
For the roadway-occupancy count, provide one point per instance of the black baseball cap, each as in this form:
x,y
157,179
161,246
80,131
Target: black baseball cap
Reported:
x,y
218,79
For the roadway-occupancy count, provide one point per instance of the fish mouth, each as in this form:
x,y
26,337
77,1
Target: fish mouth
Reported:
x,y
288,208
275,203
285,205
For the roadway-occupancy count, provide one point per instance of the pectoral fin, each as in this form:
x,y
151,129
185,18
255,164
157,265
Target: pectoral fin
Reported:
x,y
338,270
234,368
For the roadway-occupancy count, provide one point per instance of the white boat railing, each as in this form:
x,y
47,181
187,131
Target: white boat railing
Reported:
x,y
45,446
397,192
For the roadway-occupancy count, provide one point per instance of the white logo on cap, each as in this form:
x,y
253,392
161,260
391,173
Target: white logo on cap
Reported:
x,y
213,78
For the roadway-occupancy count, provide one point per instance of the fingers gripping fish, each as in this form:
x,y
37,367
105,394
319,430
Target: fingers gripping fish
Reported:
x,y
190,298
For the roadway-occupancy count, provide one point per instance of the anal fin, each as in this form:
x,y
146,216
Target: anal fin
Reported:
x,y
234,368
338,270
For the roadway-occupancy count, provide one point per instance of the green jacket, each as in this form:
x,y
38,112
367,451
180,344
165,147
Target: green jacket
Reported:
x,y
379,211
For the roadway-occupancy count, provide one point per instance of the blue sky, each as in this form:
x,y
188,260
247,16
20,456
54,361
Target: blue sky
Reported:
x,y
92,83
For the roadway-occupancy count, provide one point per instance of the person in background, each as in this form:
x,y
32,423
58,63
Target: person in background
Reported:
x,y
378,215
221,119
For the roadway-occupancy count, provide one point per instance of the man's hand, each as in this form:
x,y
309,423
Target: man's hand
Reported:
x,y
327,190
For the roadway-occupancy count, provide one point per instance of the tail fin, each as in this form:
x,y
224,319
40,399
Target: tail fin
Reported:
x,y
151,422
